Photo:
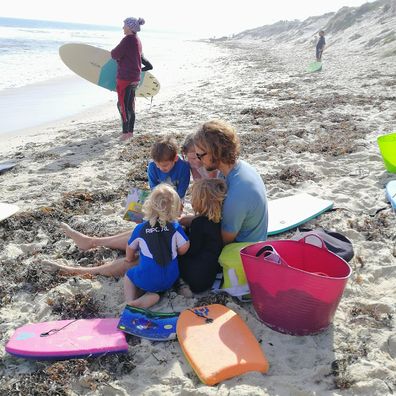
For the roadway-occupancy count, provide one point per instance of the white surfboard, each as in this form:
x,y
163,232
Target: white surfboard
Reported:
x,y
391,193
290,212
96,65
7,165
7,210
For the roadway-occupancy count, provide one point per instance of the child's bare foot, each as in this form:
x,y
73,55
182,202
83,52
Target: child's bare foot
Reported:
x,y
145,301
49,266
184,290
82,241
66,268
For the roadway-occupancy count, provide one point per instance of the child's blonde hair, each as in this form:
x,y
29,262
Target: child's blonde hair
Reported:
x,y
162,205
207,198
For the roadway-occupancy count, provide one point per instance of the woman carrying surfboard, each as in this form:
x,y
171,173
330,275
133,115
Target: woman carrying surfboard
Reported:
x,y
128,55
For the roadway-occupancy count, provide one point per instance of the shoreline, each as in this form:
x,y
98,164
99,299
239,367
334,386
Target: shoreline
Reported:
x,y
47,102
99,113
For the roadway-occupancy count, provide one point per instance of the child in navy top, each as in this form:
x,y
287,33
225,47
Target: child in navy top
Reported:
x,y
159,240
168,167
199,266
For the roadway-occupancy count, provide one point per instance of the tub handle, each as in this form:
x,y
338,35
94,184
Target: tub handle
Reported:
x,y
314,240
270,254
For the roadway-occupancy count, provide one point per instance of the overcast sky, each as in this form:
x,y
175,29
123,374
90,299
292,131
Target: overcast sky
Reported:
x,y
204,17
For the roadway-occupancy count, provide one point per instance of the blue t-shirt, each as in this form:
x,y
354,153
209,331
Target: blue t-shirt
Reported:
x,y
157,269
178,176
245,208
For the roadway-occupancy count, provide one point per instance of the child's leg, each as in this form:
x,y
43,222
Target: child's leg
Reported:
x,y
131,292
85,242
116,268
147,300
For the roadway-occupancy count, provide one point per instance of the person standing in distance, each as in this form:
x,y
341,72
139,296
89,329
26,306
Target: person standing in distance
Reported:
x,y
128,55
320,46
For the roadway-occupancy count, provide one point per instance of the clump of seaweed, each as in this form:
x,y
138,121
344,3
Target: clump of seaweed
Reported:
x,y
34,280
372,316
50,379
352,351
18,276
214,298
339,369
26,225
92,257
293,175
140,150
252,143
115,365
373,227
332,144
76,201
79,306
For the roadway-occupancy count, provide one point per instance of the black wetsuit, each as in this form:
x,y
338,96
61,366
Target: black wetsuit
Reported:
x,y
199,266
128,121
319,47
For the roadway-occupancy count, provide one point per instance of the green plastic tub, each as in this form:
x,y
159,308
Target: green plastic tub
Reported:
x,y
387,146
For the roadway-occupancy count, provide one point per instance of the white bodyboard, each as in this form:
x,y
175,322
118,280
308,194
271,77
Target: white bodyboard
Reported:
x,y
290,212
7,210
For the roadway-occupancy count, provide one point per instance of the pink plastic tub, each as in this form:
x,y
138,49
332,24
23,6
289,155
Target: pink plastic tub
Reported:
x,y
298,293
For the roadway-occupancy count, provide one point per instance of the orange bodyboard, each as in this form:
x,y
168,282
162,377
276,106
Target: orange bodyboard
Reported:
x,y
218,344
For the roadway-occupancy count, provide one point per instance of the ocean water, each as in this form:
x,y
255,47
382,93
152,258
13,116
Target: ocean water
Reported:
x,y
29,49
30,65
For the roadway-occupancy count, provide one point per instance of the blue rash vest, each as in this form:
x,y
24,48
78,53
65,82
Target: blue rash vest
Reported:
x,y
178,176
245,208
157,269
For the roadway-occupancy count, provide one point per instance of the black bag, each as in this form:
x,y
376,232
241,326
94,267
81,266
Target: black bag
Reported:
x,y
334,241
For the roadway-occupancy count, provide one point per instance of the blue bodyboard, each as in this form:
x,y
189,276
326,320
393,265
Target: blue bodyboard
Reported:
x,y
155,326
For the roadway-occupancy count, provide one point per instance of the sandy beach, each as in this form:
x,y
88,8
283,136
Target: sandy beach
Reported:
x,y
313,133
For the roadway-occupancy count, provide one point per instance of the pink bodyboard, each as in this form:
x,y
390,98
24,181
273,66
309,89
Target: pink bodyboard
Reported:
x,y
67,339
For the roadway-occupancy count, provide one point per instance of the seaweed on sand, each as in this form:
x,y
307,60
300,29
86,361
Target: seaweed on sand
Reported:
x,y
79,306
25,226
57,378
374,227
293,175
214,298
16,276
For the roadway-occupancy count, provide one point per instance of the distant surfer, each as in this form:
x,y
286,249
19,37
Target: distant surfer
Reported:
x,y
128,55
320,46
